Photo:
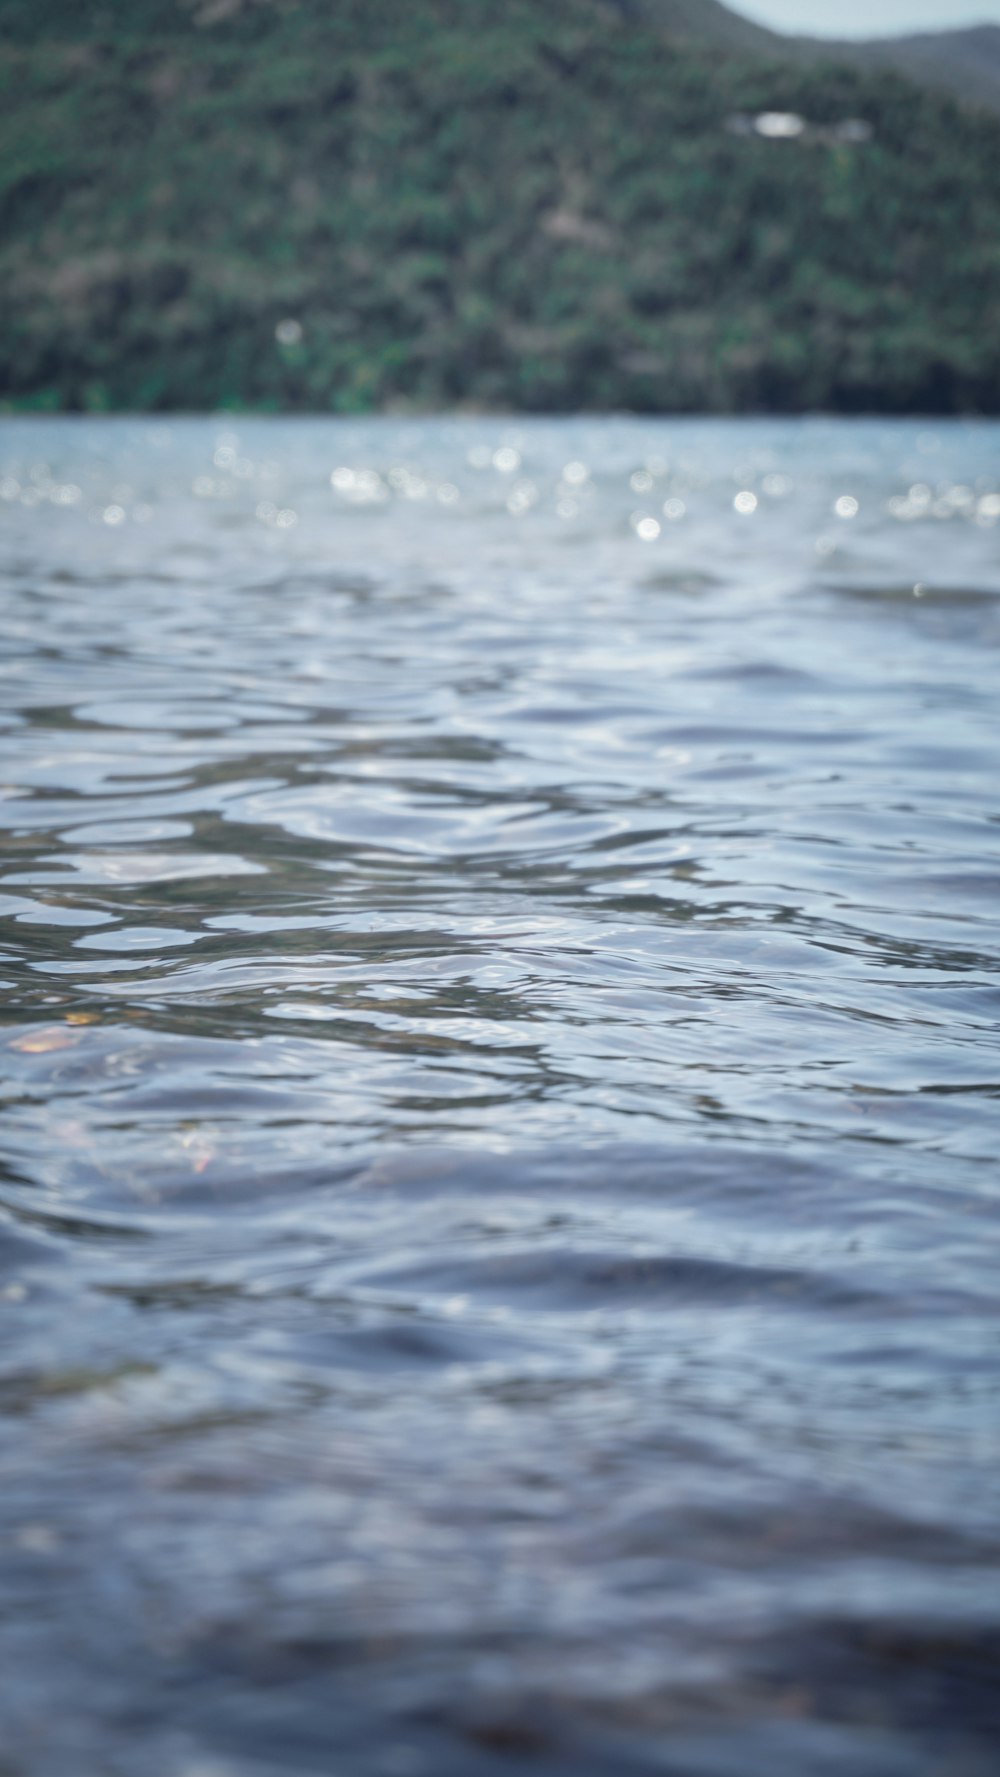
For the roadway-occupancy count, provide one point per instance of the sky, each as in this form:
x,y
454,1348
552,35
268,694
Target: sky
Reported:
x,y
867,18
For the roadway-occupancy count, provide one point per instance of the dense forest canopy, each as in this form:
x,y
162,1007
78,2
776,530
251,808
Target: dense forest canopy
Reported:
x,y
540,204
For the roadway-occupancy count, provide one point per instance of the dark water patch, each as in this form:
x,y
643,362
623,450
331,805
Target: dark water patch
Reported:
x,y
917,593
564,1281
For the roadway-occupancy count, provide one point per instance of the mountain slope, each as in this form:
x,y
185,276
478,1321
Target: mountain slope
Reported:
x,y
704,21
459,203
964,62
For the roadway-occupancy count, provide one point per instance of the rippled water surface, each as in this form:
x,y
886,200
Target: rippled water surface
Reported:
x,y
499,1236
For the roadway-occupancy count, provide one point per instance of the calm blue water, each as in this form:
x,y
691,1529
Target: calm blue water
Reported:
x,y
500,1220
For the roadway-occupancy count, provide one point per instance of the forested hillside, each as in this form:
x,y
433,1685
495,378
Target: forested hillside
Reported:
x,y
257,203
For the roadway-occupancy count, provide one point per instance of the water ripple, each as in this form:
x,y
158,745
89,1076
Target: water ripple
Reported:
x,y
499,1219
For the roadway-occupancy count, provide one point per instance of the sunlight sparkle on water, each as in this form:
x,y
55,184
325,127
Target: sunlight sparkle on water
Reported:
x,y
500,1114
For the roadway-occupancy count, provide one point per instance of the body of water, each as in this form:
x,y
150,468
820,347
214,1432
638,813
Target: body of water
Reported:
x,y
500,1216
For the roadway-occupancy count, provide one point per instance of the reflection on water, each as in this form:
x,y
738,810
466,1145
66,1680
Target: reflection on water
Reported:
x,y
499,1221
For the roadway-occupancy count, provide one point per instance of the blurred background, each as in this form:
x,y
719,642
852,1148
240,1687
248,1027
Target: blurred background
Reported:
x,y
546,205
